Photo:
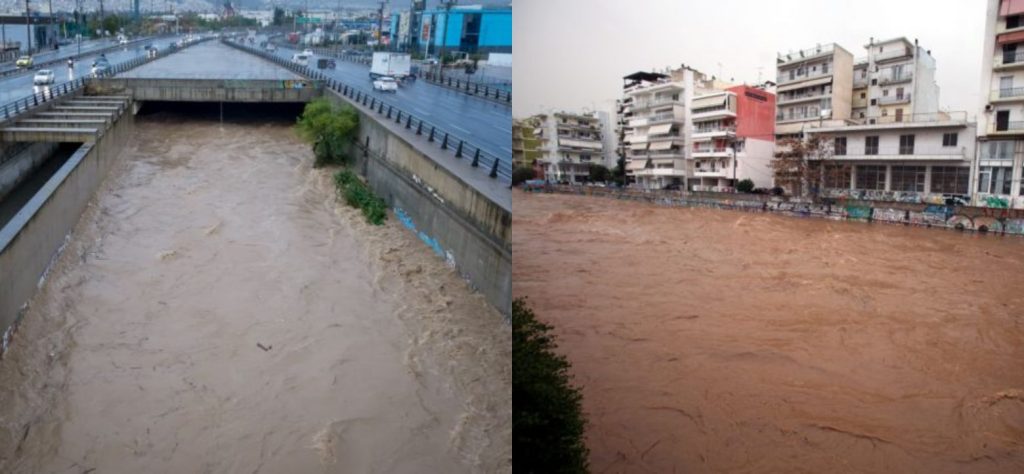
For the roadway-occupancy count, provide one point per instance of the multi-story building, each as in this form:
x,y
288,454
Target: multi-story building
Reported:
x,y
526,147
733,138
896,79
570,144
1001,117
814,88
656,133
925,160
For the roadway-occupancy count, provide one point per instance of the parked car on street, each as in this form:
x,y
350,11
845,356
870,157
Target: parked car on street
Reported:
x,y
24,62
385,84
43,77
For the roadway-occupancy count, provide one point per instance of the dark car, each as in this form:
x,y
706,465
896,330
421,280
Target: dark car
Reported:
x,y
324,63
671,187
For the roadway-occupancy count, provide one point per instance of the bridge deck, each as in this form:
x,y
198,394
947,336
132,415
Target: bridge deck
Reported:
x,y
208,61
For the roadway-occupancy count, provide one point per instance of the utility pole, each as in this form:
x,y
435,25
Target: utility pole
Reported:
x,y
380,24
28,29
444,31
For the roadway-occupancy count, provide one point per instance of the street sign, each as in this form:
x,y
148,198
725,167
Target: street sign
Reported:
x,y
303,19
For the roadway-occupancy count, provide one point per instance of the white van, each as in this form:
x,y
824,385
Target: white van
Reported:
x,y
301,59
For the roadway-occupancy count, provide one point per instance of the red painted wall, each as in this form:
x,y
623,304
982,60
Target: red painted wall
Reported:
x,y
754,118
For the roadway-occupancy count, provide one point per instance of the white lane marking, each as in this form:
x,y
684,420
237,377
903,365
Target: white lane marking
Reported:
x,y
421,111
462,129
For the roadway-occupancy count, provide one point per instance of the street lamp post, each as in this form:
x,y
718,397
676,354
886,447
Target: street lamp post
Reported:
x,y
444,33
28,29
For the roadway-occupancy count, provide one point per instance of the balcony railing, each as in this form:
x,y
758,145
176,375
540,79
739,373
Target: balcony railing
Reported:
x,y
783,98
893,78
1008,93
783,58
728,128
1007,127
892,54
645,104
894,99
801,116
903,151
708,110
711,150
956,116
783,79
1008,58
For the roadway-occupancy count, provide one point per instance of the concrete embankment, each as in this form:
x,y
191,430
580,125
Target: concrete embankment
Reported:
x,y
942,216
33,236
462,224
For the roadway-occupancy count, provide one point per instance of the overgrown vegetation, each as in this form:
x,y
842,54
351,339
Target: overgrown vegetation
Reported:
x,y
600,173
520,174
329,128
359,196
745,186
547,420
802,166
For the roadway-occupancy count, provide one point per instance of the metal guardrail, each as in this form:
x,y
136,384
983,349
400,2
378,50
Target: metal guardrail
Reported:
x,y
19,106
469,87
15,71
499,168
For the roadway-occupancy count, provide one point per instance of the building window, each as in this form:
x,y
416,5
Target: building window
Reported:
x,y
874,101
885,112
839,147
994,179
863,95
906,144
871,145
950,179
949,139
824,68
885,92
908,178
997,150
837,177
1013,21
871,177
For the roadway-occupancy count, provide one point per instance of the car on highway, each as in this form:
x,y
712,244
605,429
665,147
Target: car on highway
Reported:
x,y
308,52
271,48
385,84
24,61
43,77
100,66
302,59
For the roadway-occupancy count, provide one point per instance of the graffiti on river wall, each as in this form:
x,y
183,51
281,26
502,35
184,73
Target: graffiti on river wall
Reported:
x,y
988,224
997,202
960,222
431,242
931,216
858,212
889,215
1013,226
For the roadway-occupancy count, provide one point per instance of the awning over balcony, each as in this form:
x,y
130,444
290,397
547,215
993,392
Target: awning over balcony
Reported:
x,y
638,146
814,82
1011,7
659,129
665,145
1007,38
636,164
580,144
708,102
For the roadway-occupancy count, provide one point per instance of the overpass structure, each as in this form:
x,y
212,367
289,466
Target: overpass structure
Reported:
x,y
451,192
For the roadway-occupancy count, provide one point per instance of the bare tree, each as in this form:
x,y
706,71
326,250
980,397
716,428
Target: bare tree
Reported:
x,y
802,166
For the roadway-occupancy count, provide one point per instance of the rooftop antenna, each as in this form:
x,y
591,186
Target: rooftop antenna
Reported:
x,y
759,69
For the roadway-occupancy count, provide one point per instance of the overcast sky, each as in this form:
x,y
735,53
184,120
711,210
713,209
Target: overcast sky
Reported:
x,y
572,54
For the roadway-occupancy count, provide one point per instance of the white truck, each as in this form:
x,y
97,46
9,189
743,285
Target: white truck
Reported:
x,y
396,65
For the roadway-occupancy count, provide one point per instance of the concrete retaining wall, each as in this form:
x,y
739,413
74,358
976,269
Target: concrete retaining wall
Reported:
x,y
29,242
460,224
22,163
209,90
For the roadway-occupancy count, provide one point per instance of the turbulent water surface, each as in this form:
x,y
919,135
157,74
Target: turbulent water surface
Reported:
x,y
217,310
721,341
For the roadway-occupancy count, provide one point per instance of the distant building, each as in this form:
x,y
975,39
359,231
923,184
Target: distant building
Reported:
x,y
264,17
526,146
471,29
570,145
897,79
683,129
814,86
1001,117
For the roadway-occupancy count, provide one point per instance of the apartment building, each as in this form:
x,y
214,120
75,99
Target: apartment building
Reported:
x,y
682,129
896,79
526,146
1001,117
570,143
814,89
928,160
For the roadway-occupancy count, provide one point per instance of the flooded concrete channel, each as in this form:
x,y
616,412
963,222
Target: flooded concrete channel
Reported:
x,y
217,309
721,341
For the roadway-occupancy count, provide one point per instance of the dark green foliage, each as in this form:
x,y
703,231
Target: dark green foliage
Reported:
x,y
745,186
600,173
329,127
619,172
521,174
359,196
547,421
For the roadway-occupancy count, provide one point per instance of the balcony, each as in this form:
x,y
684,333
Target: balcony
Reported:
x,y
784,79
896,78
805,97
892,54
1006,128
716,152
805,54
661,138
660,172
860,82
1007,61
646,104
712,172
799,117
713,113
1010,94
894,99
953,116
711,132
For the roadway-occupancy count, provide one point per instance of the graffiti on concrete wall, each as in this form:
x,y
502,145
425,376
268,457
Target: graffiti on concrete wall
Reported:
x,y
431,242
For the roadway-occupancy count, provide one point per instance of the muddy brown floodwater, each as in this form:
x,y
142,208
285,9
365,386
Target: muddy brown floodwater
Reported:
x,y
218,310
722,341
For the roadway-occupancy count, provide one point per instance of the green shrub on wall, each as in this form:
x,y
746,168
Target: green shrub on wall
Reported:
x,y
328,127
359,196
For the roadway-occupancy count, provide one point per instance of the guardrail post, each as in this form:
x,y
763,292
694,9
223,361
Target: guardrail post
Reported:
x,y
380,110
476,159
431,139
458,151
419,129
444,142
408,122
494,169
